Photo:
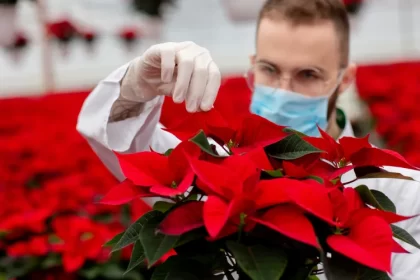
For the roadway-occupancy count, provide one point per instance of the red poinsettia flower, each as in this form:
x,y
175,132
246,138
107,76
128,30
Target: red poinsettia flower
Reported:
x,y
349,153
338,153
253,132
234,189
239,136
369,242
75,233
363,234
235,198
154,174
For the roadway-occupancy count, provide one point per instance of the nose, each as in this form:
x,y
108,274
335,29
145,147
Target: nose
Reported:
x,y
285,83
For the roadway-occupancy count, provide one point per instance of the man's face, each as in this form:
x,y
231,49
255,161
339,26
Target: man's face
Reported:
x,y
303,58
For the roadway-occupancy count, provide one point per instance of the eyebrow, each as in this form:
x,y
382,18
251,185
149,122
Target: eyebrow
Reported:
x,y
321,70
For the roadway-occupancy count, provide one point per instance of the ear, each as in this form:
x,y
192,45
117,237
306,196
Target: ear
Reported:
x,y
252,59
348,78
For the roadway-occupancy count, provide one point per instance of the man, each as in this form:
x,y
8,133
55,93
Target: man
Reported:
x,y
300,67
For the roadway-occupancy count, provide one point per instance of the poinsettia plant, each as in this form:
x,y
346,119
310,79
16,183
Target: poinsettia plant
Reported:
x,y
248,199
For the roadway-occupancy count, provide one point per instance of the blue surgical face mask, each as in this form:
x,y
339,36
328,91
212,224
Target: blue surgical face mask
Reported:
x,y
291,109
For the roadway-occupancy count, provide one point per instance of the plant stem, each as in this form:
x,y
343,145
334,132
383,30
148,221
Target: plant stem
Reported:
x,y
352,181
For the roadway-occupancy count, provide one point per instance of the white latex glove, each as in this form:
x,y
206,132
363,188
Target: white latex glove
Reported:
x,y
184,71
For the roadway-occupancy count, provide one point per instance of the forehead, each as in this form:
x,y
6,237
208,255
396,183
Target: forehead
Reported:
x,y
302,45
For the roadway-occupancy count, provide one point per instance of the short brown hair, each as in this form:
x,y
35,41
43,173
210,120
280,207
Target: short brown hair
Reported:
x,y
310,11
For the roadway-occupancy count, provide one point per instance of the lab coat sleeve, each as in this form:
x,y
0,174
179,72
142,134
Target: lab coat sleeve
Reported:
x,y
406,197
128,136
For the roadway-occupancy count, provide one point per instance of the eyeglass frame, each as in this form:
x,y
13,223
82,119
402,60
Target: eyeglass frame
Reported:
x,y
279,78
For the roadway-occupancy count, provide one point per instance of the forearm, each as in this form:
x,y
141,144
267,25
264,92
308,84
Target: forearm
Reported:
x,y
123,109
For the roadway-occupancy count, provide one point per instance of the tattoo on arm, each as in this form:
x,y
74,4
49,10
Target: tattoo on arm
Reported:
x,y
124,109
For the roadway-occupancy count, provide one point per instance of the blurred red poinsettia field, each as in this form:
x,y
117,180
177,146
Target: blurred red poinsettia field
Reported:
x,y
391,92
49,182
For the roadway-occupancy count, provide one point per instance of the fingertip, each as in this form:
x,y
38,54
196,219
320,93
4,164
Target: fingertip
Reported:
x,y
205,107
191,109
208,100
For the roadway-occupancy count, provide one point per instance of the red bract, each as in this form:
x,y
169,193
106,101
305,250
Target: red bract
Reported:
x,y
252,132
290,221
124,193
310,196
230,194
379,157
368,242
162,175
188,127
183,219
338,153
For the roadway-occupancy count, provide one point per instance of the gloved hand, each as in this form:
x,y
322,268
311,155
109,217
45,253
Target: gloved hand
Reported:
x,y
184,71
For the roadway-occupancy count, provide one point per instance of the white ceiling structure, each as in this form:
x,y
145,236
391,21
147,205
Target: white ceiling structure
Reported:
x,y
384,31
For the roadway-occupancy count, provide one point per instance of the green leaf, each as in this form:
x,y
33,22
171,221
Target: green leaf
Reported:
x,y
339,267
403,235
274,173
137,257
155,244
386,175
201,141
51,261
291,147
384,201
366,273
132,234
132,275
91,272
259,262
112,271
176,268
168,152
316,178
192,197
191,236
376,199
114,240
292,131
163,206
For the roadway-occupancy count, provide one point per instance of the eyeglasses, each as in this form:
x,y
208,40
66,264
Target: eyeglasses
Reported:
x,y
309,82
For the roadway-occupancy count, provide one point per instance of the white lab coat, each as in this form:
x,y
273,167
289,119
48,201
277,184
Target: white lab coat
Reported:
x,y
144,131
